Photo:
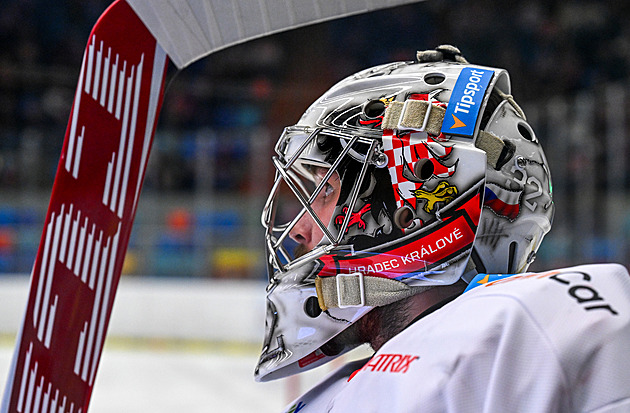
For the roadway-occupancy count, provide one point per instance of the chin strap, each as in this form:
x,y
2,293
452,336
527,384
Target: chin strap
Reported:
x,y
498,151
417,115
424,116
359,290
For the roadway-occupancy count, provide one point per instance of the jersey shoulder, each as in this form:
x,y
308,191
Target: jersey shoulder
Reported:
x,y
565,304
594,288
582,313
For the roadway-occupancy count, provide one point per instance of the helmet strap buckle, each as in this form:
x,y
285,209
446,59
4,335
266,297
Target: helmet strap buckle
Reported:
x,y
350,287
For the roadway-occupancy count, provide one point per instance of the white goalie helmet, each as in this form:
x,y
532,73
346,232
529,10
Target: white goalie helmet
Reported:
x,y
402,177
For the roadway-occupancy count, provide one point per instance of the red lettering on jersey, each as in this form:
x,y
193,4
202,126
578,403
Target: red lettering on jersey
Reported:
x,y
387,363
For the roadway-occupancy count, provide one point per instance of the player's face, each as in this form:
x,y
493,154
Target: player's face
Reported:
x,y
306,232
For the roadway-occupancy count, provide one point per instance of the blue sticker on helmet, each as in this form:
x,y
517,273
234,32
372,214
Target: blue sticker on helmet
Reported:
x,y
465,102
483,279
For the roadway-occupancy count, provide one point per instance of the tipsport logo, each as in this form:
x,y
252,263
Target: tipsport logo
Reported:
x,y
466,100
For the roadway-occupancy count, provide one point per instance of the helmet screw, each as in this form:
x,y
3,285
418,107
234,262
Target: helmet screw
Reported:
x,y
379,159
531,257
521,162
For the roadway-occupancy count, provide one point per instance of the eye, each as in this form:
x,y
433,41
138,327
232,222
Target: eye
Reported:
x,y
328,190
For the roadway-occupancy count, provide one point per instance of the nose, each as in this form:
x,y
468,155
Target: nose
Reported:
x,y
304,232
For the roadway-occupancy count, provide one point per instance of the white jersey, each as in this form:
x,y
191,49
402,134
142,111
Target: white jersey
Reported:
x,y
557,341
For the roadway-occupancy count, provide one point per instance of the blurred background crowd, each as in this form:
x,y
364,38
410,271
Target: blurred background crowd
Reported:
x,y
209,170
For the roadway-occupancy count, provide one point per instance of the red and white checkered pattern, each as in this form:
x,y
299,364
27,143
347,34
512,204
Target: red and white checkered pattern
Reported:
x,y
408,148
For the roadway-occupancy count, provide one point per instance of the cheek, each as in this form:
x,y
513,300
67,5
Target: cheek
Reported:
x,y
327,212
327,209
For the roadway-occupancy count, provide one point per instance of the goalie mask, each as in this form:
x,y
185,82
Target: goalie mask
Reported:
x,y
400,178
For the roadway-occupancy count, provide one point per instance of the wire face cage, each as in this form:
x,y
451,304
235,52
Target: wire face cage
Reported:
x,y
307,164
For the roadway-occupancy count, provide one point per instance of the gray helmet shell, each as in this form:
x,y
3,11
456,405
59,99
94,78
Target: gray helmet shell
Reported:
x,y
405,191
